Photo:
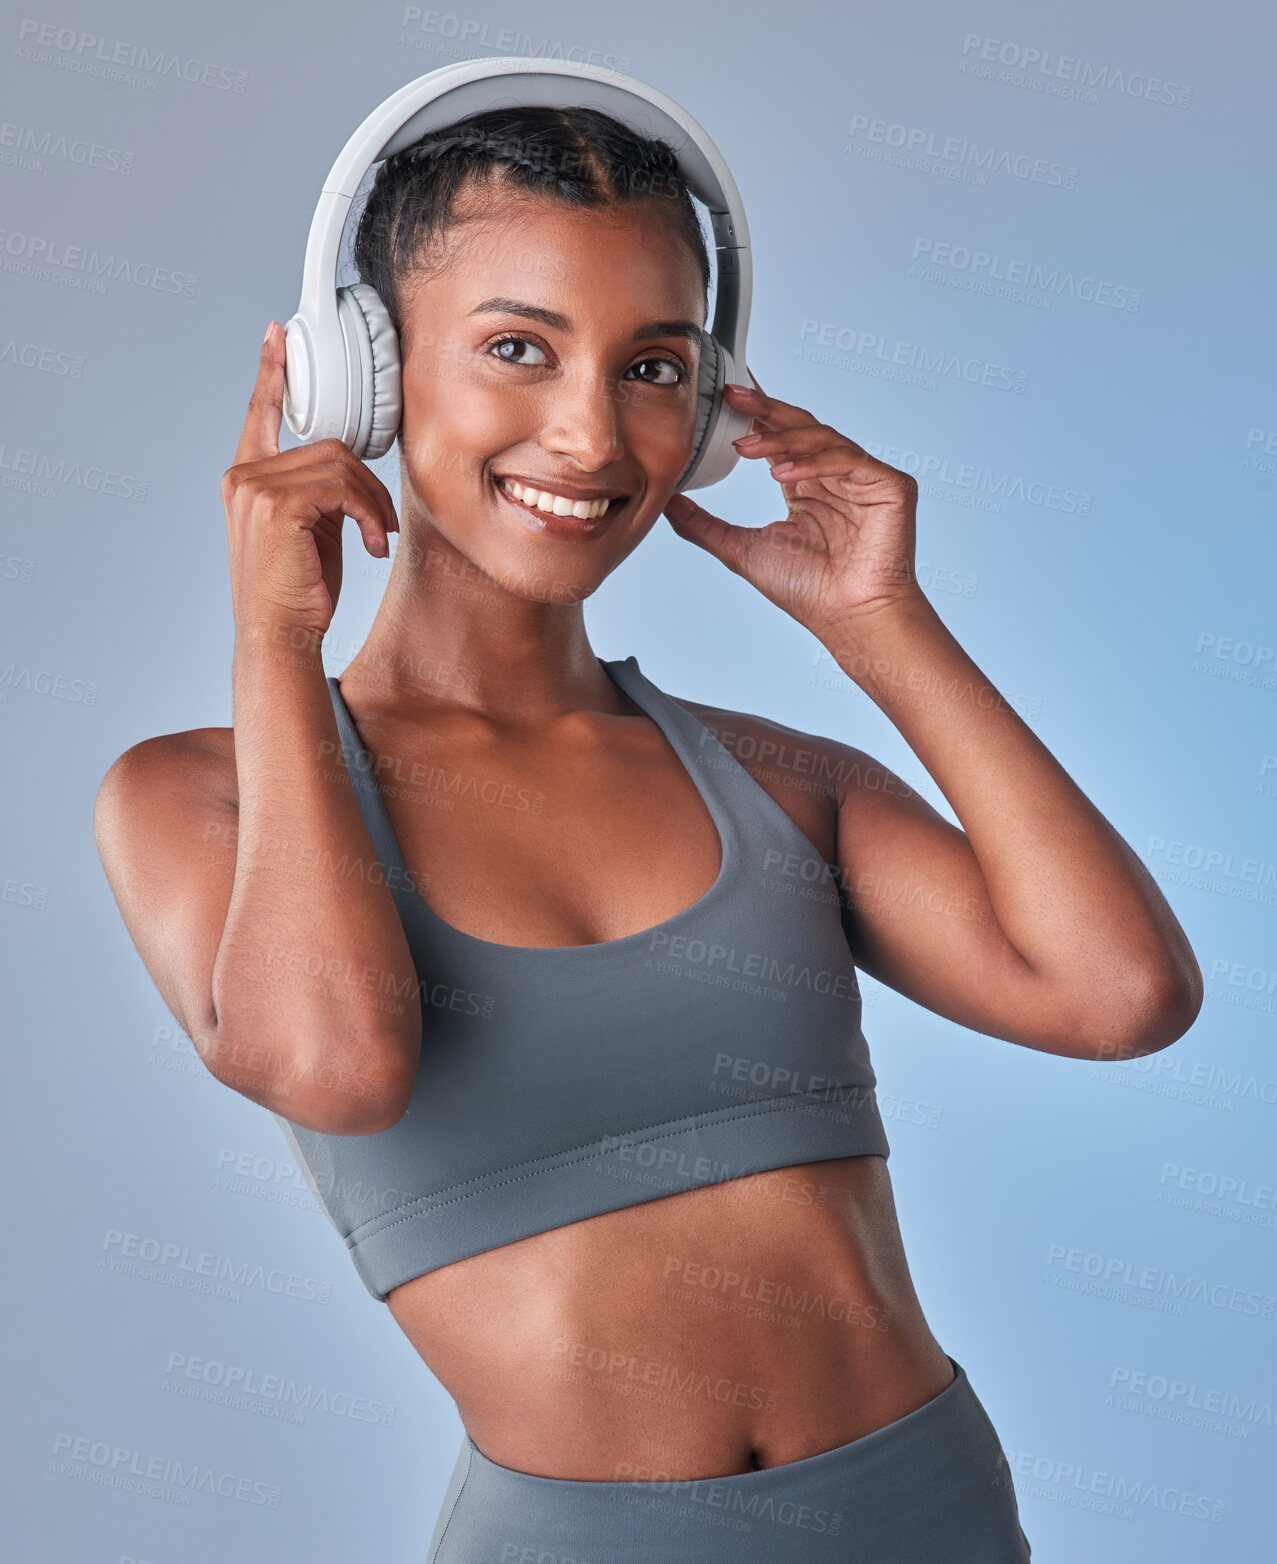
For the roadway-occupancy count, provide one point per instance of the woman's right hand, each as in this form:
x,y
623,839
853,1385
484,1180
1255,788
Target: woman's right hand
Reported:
x,y
284,512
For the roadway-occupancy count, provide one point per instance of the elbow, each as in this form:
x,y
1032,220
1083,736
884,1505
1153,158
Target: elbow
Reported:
x,y
1151,1014
343,1109
331,1110
384,1108
369,1090
361,1095
369,1117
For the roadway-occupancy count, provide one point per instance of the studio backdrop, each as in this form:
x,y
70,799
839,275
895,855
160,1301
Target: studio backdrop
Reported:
x,y
1023,253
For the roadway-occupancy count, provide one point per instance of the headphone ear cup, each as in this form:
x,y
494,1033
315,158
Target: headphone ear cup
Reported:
x,y
718,423
374,374
709,396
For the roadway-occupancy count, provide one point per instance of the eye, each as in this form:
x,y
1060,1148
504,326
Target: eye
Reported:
x,y
676,377
680,374
511,338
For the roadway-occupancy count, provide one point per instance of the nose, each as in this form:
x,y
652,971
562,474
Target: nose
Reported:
x,y
582,419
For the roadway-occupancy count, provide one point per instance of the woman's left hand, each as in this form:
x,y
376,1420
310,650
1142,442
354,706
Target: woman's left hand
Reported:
x,y
846,547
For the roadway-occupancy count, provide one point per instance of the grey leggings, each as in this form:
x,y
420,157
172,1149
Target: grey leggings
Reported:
x,y
930,1488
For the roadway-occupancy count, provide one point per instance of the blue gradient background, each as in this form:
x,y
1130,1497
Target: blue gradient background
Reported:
x,y
1136,638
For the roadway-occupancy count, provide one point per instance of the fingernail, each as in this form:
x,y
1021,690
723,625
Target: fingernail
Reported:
x,y
266,338
733,386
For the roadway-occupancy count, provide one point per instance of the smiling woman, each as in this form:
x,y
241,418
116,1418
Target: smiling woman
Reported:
x,y
569,1050
579,382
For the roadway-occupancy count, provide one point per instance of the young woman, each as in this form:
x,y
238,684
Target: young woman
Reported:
x,y
549,976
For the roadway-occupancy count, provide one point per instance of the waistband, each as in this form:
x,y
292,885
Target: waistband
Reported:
x,y
932,1485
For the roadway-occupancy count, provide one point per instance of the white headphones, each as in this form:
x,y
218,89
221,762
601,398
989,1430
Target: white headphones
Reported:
x,y
343,372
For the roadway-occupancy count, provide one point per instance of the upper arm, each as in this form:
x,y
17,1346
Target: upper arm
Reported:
x,y
165,832
920,916
166,821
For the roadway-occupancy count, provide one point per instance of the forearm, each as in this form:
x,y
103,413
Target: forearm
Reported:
x,y
1069,894
313,975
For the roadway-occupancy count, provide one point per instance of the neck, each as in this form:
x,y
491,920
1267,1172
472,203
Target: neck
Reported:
x,y
446,633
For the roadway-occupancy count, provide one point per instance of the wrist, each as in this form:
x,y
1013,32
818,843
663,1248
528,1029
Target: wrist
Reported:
x,y
869,628
891,652
264,633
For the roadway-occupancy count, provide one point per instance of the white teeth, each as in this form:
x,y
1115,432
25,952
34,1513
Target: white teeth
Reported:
x,y
556,504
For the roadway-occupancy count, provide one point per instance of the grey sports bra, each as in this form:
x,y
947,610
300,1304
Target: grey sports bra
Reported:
x,y
559,1083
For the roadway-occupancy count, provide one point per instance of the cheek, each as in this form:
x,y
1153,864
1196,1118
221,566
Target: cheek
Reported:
x,y
452,427
658,433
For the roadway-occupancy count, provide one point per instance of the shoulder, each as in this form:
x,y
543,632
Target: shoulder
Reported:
x,y
164,773
812,777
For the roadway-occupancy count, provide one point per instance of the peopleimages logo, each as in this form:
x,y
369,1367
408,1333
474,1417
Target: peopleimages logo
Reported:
x,y
44,360
1178,1400
30,471
1213,868
1205,1083
1018,60
1116,1277
755,964
1107,1493
968,261
75,266
998,486
1261,449
468,33
120,1466
42,681
912,145
274,1395
27,148
114,59
1257,980
177,1264
856,346
1227,1187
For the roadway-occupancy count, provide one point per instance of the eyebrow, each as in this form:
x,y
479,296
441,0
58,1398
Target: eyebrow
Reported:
x,y
653,328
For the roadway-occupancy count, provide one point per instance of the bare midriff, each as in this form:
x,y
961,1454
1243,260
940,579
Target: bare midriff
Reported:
x,y
723,1329
726,1328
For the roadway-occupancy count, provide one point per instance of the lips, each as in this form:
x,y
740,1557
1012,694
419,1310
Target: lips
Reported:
x,y
565,528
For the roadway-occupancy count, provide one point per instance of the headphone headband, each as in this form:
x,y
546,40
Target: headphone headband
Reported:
x,y
321,349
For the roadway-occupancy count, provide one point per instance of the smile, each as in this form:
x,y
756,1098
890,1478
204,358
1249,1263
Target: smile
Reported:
x,y
555,504
559,515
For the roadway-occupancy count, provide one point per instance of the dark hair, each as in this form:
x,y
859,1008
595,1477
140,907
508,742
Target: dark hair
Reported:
x,y
582,156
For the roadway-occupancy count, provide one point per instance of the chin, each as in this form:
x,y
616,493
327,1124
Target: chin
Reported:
x,y
527,553
537,581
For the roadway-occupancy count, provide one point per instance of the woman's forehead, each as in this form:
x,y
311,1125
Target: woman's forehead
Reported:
x,y
553,262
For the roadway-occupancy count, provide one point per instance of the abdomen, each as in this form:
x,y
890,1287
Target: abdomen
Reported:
x,y
746,1323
